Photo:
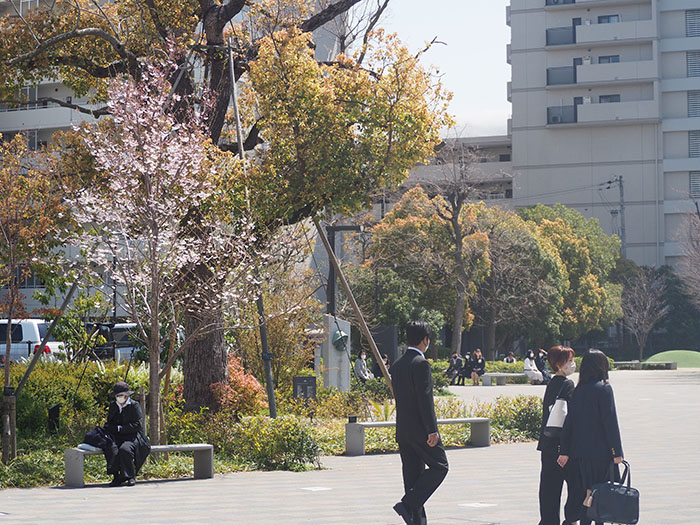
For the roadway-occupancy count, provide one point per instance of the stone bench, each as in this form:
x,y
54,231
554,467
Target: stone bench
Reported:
x,y
355,432
203,460
500,377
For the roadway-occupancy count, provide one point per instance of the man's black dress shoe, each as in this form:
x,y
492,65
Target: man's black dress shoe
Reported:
x,y
117,481
402,510
130,482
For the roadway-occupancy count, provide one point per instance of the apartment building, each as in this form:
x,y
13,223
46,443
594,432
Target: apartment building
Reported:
x,y
606,99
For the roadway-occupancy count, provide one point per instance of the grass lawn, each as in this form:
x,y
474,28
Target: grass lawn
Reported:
x,y
684,358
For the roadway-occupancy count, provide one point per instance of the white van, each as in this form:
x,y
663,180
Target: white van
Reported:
x,y
26,338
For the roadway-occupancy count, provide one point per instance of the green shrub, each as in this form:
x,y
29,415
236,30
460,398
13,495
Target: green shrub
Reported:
x,y
281,443
330,403
374,389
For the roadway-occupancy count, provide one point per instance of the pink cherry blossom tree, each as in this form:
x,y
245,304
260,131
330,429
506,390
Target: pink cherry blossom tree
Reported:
x,y
152,221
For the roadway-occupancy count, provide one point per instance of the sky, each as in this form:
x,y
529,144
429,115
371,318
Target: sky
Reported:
x,y
473,61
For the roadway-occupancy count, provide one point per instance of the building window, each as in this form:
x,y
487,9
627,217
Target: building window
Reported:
x,y
694,144
692,59
609,59
504,157
608,19
695,184
607,99
694,103
692,22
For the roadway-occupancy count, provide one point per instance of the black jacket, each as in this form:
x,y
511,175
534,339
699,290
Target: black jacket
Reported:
x,y
413,390
556,385
124,425
591,430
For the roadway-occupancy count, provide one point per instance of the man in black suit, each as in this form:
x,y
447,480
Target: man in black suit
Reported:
x,y
416,426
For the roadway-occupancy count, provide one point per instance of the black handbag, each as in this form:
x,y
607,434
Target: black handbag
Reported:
x,y
613,502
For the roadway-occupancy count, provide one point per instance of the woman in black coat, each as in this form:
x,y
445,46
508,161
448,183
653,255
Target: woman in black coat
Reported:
x,y
552,476
591,434
129,447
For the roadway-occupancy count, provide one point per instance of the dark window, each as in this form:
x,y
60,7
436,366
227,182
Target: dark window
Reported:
x,y
16,333
692,59
695,184
694,144
694,103
609,59
43,329
692,22
607,99
608,19
504,157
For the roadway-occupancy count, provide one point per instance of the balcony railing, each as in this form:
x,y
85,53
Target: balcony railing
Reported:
x,y
561,114
561,75
557,36
559,2
45,104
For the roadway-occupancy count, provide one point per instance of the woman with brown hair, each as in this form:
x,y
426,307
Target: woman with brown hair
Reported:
x,y
552,476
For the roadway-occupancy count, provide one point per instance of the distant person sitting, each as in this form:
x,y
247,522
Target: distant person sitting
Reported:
x,y
361,368
376,370
530,369
466,370
510,358
129,446
454,368
478,366
541,364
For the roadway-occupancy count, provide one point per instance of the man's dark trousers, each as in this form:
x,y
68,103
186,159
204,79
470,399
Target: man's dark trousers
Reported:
x,y
420,483
415,420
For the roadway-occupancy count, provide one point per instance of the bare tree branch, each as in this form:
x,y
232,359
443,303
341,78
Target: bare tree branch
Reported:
x,y
328,14
75,34
370,27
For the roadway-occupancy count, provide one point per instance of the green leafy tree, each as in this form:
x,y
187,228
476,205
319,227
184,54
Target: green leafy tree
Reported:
x,y
523,292
435,243
388,299
589,255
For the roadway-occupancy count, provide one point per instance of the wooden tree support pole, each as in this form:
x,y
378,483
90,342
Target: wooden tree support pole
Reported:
x,y
361,320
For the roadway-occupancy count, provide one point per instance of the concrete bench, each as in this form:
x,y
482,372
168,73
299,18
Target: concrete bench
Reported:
x,y
355,432
203,460
500,377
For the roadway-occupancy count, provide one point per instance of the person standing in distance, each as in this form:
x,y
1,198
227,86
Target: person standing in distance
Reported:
x,y
416,426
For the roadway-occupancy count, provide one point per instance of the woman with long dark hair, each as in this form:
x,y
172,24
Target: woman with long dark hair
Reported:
x,y
552,476
591,434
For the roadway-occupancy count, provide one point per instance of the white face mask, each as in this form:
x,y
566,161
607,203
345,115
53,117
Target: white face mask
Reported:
x,y
570,367
121,399
427,346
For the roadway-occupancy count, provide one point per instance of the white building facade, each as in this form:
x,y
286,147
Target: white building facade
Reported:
x,y
606,93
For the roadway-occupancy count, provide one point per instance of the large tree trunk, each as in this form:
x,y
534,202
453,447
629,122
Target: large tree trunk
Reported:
x,y
205,360
490,350
458,322
642,341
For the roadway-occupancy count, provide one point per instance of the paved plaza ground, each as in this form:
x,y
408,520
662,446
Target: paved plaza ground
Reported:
x,y
659,416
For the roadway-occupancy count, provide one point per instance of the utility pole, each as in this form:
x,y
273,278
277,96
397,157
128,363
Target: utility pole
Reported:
x,y
623,230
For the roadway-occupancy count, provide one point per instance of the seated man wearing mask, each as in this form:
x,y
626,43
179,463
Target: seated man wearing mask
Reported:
x,y
130,446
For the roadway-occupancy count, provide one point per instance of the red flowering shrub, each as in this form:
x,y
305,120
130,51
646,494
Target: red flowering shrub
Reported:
x,y
243,395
